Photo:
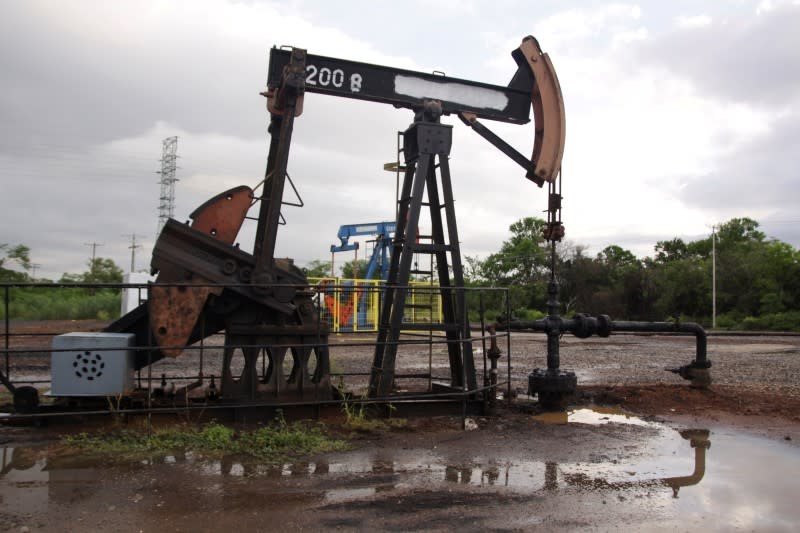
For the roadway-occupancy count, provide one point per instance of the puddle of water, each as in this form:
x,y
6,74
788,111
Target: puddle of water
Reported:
x,y
724,478
595,416
344,495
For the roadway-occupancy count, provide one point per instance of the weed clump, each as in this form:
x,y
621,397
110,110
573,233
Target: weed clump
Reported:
x,y
360,418
272,444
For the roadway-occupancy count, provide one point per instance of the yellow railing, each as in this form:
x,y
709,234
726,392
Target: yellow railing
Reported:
x,y
351,305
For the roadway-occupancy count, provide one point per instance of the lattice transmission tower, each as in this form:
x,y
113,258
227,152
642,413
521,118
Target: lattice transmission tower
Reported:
x,y
169,158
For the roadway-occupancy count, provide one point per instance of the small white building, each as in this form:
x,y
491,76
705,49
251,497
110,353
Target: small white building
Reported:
x,y
132,297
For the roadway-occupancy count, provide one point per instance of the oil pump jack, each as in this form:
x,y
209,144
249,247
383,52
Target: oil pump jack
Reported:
x,y
264,304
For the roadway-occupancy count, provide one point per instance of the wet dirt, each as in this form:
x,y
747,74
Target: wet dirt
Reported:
x,y
639,450
598,469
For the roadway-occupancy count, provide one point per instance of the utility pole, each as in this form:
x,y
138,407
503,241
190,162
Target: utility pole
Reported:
x,y
34,267
133,248
714,277
169,158
94,246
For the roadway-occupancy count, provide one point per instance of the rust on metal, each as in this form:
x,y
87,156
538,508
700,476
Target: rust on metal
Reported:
x,y
174,311
222,216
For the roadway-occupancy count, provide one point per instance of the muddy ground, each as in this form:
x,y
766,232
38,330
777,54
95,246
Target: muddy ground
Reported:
x,y
639,450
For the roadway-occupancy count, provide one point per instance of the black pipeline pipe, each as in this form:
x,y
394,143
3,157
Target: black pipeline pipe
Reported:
x,y
701,357
584,326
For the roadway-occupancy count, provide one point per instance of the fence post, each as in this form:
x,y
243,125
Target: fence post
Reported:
x,y
7,324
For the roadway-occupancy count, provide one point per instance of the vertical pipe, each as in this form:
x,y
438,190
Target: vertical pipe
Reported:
x,y
508,350
553,330
483,333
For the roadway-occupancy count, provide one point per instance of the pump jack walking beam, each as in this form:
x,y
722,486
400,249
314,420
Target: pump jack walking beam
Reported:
x,y
533,86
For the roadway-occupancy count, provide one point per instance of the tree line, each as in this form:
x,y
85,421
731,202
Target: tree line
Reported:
x,y
757,279
43,302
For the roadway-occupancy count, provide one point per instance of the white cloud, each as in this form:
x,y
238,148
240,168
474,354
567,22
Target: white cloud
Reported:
x,y
766,6
626,37
693,21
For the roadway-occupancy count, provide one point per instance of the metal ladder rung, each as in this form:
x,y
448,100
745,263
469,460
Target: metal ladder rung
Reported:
x,y
437,326
419,306
430,248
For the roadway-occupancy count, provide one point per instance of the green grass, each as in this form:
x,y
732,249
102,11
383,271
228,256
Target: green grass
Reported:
x,y
272,444
359,417
47,303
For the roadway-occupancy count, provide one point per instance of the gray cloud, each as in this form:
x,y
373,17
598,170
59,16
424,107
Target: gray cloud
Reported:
x,y
752,59
87,101
761,174
64,84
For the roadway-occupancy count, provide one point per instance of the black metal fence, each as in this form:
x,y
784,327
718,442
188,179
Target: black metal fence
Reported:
x,y
187,382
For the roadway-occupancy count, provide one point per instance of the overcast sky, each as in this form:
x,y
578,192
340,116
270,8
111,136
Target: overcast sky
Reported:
x,y
680,115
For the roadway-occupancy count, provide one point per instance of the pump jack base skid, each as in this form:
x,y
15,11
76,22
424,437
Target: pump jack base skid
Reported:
x,y
401,406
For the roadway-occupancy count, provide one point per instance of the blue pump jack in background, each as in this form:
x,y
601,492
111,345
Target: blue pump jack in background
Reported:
x,y
383,232
378,263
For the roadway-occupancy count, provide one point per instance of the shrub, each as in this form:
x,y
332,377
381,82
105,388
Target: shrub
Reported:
x,y
48,303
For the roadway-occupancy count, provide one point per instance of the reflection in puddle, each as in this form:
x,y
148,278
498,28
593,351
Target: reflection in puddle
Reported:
x,y
595,416
29,481
680,467
344,495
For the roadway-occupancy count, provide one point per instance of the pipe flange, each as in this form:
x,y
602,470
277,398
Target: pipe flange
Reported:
x,y
585,325
544,380
603,326
700,364
553,387
698,377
